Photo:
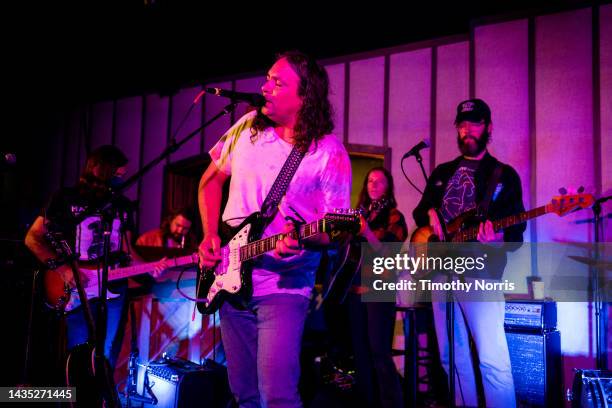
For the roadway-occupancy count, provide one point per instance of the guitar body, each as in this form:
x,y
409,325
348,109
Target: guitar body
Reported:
x,y
231,279
341,277
463,221
60,297
423,236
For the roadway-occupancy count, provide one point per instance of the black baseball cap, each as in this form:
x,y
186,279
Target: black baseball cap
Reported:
x,y
473,110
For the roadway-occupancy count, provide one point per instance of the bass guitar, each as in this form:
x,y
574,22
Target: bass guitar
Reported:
x,y
464,228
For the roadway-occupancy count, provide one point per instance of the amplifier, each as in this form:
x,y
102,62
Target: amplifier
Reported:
x,y
592,389
536,367
178,383
530,315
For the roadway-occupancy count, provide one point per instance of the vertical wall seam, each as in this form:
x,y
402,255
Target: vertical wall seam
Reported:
x,y
387,69
432,111
531,86
597,142
347,97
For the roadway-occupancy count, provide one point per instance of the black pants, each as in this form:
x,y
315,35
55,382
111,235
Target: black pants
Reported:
x,y
372,324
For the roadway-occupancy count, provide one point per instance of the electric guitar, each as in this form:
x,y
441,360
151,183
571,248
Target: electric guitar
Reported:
x,y
464,228
85,368
61,297
338,284
231,277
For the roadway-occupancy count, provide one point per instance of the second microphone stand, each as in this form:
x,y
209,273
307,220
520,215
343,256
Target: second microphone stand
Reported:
x,y
131,393
450,315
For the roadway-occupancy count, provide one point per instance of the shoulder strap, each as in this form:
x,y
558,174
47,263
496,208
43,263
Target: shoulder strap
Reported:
x,y
492,184
279,188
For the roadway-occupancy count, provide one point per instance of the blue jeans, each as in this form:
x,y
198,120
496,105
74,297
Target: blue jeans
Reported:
x,y
262,345
77,333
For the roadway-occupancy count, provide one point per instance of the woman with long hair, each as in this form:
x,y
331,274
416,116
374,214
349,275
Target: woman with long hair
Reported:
x,y
372,323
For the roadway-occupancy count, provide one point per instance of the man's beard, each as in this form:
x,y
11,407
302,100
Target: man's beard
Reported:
x,y
473,151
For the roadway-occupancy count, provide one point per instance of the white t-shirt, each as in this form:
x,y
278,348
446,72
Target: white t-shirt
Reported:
x,y
321,183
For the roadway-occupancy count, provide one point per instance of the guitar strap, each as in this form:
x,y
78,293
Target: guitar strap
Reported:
x,y
279,188
483,208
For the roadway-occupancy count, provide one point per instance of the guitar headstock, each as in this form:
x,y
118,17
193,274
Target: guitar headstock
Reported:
x,y
344,219
380,204
566,203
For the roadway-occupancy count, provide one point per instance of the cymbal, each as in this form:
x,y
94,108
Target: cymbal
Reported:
x,y
592,262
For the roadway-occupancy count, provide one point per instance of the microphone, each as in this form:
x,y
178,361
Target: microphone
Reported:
x,y
8,160
253,99
417,148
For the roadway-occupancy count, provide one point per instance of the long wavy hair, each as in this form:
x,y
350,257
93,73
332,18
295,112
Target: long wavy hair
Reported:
x,y
364,202
364,197
315,118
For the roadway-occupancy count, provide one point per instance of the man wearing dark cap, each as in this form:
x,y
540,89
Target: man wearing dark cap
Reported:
x,y
475,181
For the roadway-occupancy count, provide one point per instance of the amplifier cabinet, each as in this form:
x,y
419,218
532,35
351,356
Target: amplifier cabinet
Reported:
x,y
536,367
178,383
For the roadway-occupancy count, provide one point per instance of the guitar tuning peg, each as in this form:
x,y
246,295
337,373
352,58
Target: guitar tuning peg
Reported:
x,y
563,191
580,189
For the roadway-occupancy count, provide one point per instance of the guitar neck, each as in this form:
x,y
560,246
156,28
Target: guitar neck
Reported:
x,y
260,247
129,271
470,234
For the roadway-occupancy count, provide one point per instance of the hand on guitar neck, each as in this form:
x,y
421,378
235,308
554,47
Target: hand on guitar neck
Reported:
x,y
288,246
64,272
487,235
60,292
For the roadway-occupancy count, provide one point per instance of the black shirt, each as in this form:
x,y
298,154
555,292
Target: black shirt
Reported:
x,y
76,213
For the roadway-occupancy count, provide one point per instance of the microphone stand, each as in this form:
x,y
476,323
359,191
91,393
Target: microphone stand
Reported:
x,y
101,369
419,159
131,389
601,313
450,329
174,146
450,314
105,377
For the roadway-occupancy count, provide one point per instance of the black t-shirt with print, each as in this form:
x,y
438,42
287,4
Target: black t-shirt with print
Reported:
x,y
460,193
76,214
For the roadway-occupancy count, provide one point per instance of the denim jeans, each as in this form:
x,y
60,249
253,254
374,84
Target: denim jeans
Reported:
x,y
77,332
262,345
